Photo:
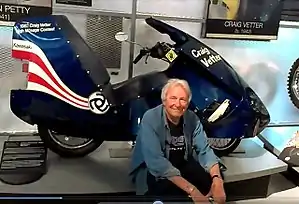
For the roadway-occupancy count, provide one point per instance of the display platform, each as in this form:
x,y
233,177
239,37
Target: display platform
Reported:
x,y
98,173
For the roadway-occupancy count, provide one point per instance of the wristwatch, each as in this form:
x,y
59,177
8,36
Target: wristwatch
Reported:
x,y
211,200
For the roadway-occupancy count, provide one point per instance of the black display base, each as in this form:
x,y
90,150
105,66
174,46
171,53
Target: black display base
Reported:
x,y
247,189
23,162
290,155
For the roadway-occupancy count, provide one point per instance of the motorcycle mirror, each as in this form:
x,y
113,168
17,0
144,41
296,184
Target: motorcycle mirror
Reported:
x,y
121,36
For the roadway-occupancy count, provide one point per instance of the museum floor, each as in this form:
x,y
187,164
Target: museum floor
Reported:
x,y
94,173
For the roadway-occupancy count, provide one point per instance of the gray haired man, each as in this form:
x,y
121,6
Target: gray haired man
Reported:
x,y
171,155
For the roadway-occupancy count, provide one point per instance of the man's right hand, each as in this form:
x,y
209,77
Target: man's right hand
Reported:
x,y
198,197
193,192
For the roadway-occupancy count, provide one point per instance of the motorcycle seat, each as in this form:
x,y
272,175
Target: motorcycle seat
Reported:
x,y
138,86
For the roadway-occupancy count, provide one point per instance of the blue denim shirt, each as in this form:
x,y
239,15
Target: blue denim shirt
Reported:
x,y
151,151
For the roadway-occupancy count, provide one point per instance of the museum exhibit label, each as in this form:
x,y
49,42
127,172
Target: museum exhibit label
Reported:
x,y
243,19
13,10
23,162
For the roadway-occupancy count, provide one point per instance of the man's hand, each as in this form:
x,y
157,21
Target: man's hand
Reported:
x,y
198,197
217,191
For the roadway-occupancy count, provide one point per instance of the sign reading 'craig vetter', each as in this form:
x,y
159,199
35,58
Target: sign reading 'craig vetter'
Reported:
x,y
13,10
243,19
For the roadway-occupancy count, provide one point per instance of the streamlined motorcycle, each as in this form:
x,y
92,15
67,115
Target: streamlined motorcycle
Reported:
x,y
69,93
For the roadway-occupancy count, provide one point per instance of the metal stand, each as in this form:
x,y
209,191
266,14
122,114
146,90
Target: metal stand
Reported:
x,y
239,150
132,38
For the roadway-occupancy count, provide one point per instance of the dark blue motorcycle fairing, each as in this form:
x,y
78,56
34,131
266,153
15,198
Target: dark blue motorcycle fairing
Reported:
x,y
58,51
39,108
202,54
212,62
204,93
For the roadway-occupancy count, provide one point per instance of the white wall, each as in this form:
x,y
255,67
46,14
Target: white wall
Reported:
x,y
182,8
11,77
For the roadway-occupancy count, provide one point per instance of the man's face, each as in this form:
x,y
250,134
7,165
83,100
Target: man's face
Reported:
x,y
176,101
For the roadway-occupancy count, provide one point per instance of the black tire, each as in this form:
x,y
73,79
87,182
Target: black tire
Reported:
x,y
224,150
293,79
62,150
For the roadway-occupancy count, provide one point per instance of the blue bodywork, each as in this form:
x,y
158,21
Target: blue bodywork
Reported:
x,y
82,71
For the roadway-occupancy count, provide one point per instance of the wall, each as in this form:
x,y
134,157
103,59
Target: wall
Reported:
x,y
10,77
273,59
192,8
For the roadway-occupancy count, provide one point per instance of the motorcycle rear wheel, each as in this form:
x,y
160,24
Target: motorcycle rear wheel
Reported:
x,y
64,149
223,150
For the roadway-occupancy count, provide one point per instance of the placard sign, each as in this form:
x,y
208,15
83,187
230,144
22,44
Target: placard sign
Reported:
x,y
243,19
75,2
12,10
22,162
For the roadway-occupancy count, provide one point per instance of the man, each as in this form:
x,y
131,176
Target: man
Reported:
x,y
171,155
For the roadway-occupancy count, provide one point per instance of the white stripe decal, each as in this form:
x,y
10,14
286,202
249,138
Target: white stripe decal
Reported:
x,y
27,46
35,69
38,87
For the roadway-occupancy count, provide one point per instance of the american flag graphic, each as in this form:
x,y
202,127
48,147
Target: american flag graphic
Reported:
x,y
42,77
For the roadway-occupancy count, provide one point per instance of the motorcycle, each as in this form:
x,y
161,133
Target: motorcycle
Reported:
x,y
69,93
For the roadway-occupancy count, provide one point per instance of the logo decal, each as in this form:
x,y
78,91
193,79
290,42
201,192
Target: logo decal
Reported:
x,y
98,103
171,55
21,46
205,56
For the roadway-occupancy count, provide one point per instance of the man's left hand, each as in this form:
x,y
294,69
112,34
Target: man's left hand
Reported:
x,y
217,191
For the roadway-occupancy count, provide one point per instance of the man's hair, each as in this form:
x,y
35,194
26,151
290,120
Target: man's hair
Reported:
x,y
176,82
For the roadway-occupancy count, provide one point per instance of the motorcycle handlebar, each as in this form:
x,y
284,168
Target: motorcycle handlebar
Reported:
x,y
142,53
157,51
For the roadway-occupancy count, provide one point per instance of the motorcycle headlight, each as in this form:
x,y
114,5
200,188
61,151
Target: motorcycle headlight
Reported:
x,y
256,103
259,108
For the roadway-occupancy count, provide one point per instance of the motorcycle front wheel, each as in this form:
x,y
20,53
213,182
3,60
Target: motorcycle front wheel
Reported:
x,y
293,84
67,146
223,146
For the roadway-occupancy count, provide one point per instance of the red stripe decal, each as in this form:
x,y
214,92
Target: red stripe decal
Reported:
x,y
38,80
32,57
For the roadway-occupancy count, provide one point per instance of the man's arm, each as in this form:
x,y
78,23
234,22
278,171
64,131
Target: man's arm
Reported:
x,y
158,165
210,162
205,153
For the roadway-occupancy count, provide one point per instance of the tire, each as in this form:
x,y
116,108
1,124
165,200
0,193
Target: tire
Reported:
x,y
66,150
292,80
223,150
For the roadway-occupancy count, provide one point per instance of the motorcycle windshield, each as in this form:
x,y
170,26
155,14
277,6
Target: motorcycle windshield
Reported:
x,y
208,59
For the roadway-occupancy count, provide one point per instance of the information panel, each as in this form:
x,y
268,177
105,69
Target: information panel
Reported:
x,y
243,19
13,10
22,162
